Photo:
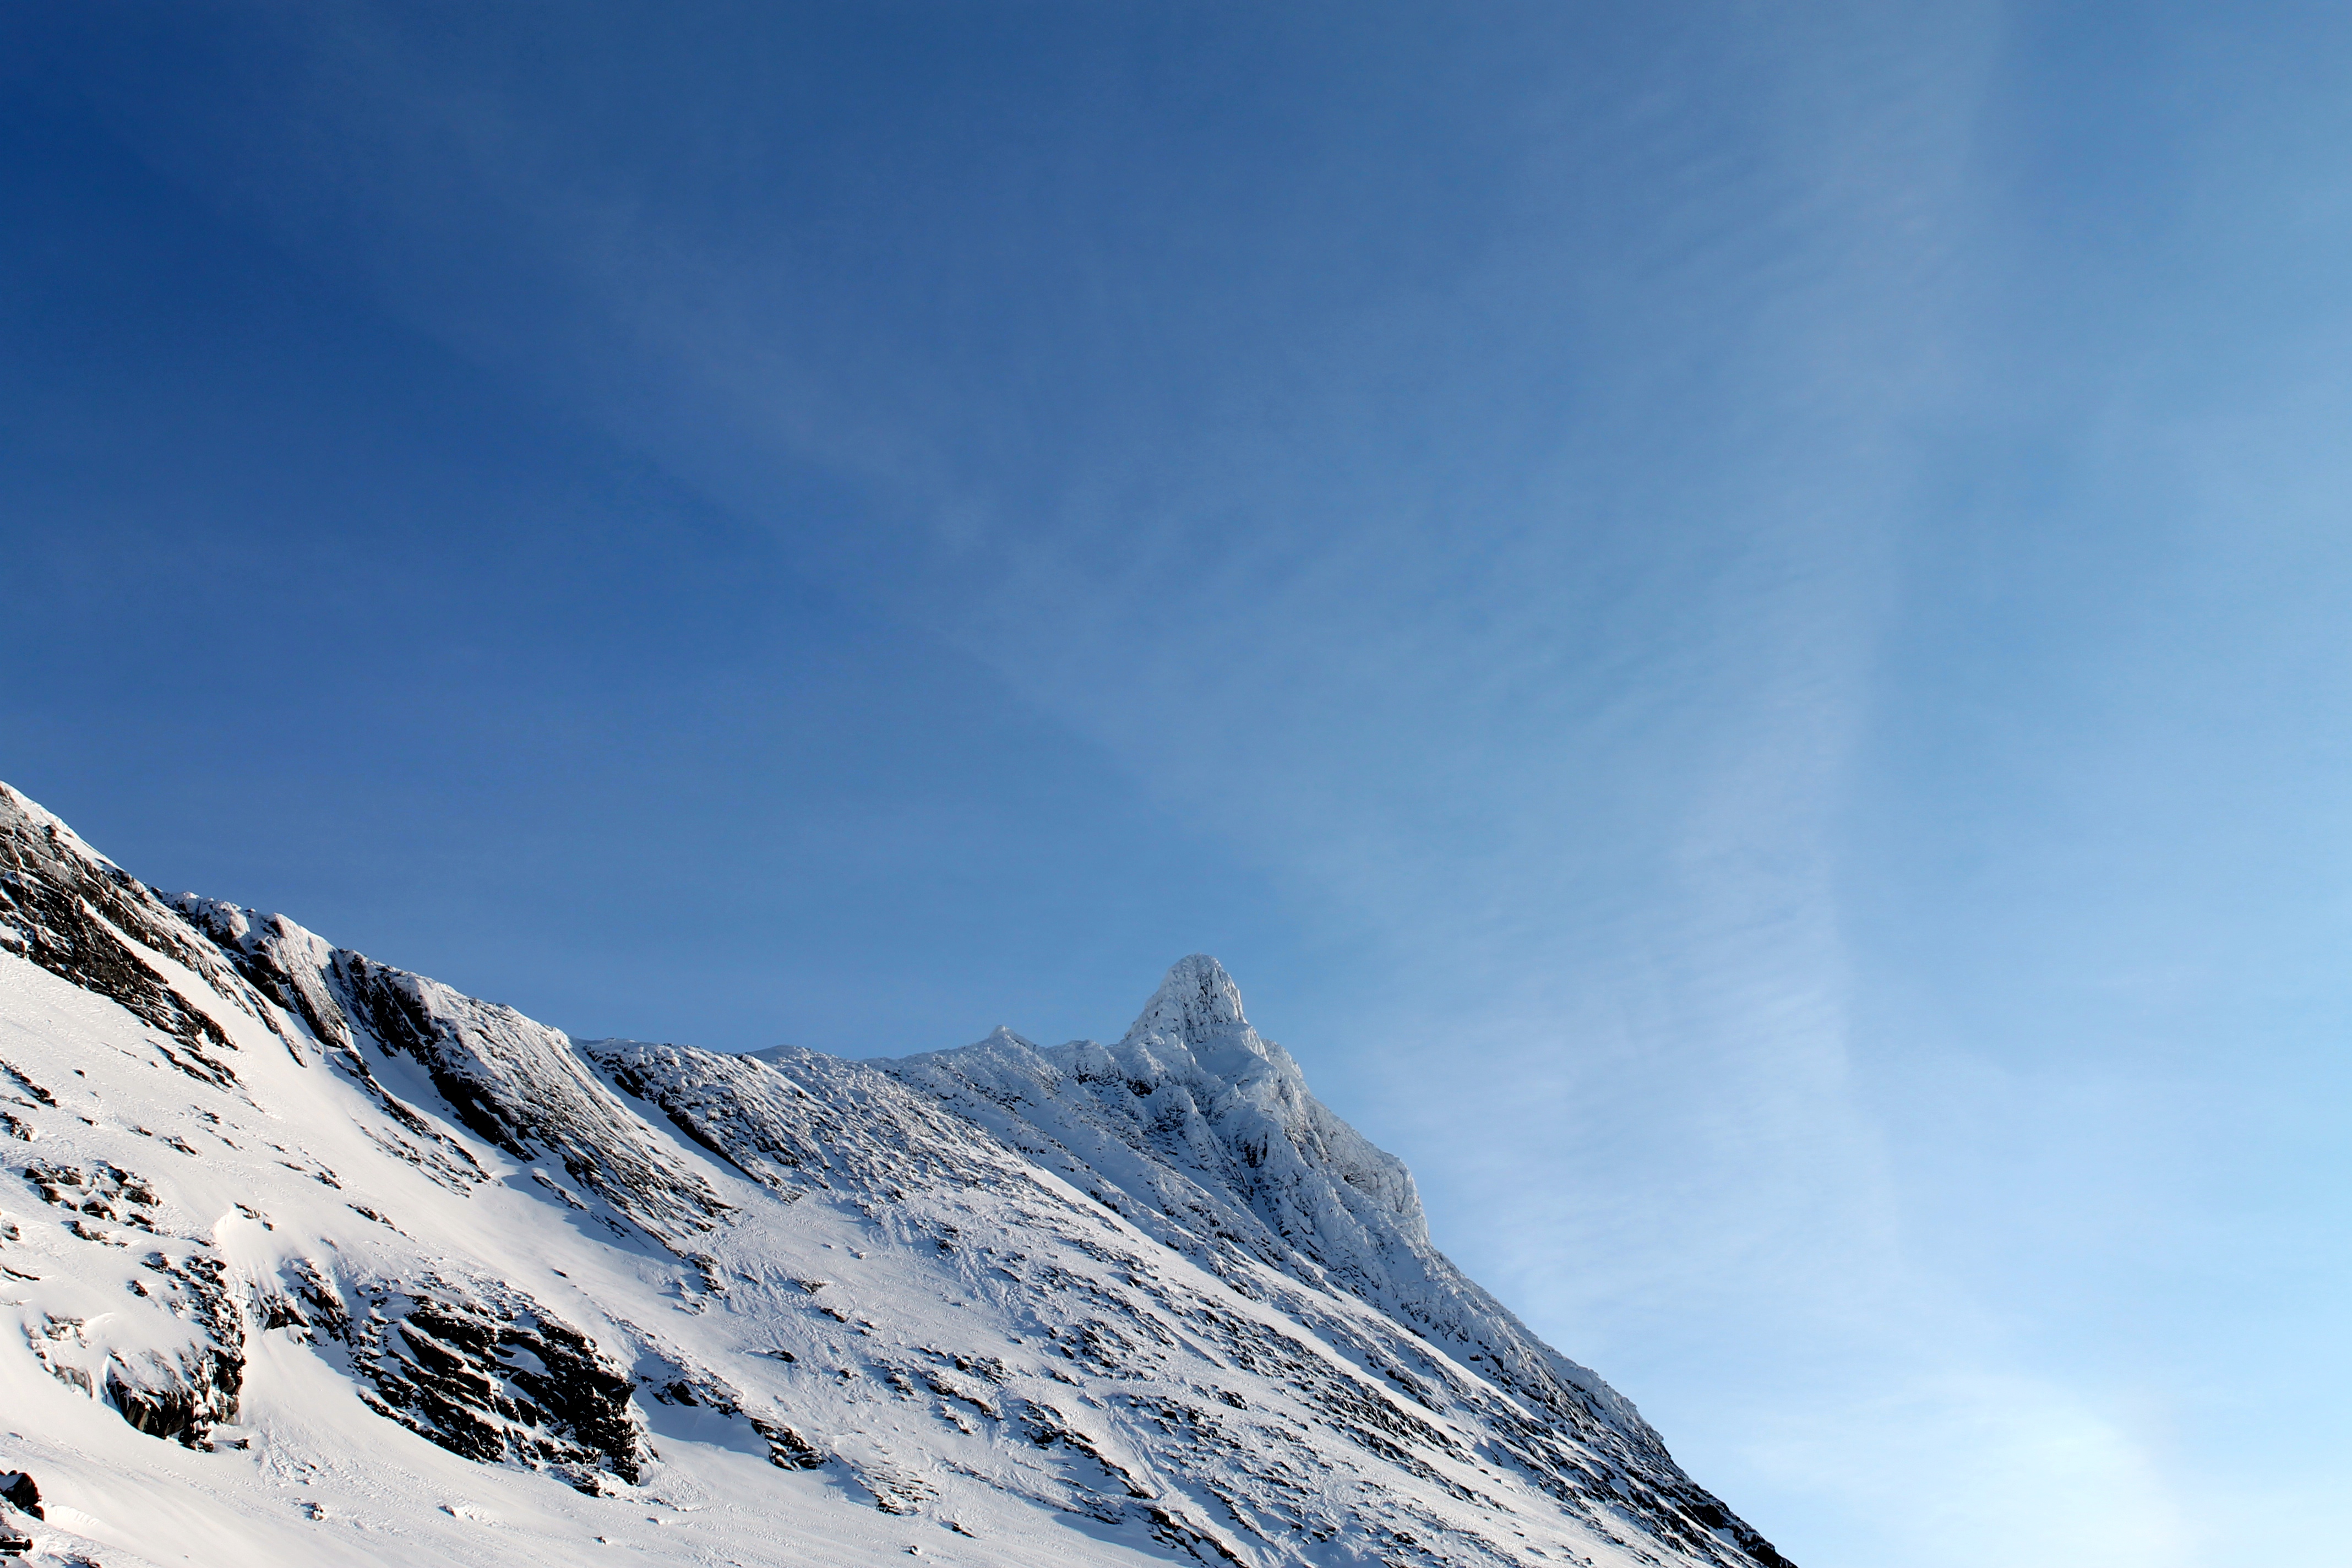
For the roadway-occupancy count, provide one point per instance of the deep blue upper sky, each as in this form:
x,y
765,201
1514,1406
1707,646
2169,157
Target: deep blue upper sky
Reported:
x,y
1730,617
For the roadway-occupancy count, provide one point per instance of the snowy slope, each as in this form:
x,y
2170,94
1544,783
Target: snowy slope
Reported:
x,y
310,1260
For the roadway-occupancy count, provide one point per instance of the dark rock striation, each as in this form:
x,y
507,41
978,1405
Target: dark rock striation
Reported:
x,y
1154,1285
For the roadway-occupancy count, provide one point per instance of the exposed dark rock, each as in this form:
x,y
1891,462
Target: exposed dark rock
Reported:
x,y
516,1084
186,1395
792,1117
85,920
1231,1326
27,1085
787,1450
483,1372
520,1086
17,1489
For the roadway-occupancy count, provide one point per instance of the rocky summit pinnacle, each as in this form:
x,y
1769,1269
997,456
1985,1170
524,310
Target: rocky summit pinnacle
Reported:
x,y
1197,1002
496,1295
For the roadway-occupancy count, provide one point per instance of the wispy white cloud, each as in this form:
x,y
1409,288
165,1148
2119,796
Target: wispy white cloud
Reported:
x,y
2027,1471
1524,613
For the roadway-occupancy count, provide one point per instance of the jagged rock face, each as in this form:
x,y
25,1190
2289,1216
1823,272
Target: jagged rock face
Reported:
x,y
485,1371
1154,1290
17,1491
515,1083
172,1374
69,909
1204,1132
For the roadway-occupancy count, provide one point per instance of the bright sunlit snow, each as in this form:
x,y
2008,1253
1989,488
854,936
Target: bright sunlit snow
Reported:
x,y
309,1260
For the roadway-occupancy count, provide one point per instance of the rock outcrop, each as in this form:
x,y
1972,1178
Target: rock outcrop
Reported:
x,y
1154,1290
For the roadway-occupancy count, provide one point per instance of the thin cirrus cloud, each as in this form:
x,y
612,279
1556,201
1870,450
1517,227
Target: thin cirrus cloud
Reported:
x,y
1690,553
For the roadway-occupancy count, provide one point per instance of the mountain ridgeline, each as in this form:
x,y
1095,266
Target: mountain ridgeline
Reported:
x,y
309,1258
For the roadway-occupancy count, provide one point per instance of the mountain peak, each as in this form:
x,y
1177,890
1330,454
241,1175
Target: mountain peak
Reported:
x,y
1195,1003
568,1250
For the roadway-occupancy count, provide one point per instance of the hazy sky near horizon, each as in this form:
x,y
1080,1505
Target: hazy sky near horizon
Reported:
x,y
1731,617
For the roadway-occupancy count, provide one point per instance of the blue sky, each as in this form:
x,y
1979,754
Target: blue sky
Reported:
x,y
1731,618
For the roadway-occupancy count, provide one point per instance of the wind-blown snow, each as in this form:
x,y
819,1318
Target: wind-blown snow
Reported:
x,y
308,1259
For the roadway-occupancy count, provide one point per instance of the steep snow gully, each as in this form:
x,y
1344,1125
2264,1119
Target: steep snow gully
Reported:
x,y
304,1258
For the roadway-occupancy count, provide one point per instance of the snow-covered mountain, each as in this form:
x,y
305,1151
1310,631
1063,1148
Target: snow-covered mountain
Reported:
x,y
314,1260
